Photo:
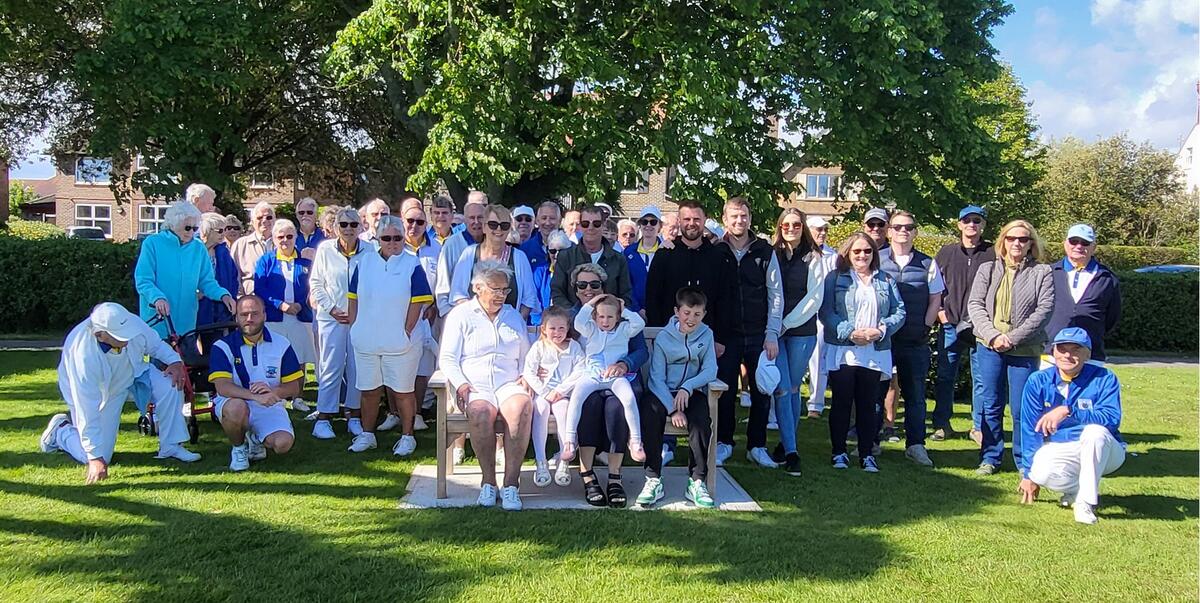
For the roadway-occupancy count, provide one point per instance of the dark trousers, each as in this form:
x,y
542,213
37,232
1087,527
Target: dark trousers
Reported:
x,y
654,423
912,368
602,424
857,387
739,350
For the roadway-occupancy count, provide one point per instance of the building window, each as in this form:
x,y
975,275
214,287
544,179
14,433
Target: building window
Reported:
x,y
150,218
636,183
822,186
262,180
92,170
99,216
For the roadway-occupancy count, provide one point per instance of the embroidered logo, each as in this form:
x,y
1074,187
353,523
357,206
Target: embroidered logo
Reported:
x,y
272,372
1085,403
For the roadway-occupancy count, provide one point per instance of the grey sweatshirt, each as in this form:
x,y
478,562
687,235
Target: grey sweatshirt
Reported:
x,y
679,361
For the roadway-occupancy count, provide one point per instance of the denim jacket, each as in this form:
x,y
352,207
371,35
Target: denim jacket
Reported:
x,y
838,307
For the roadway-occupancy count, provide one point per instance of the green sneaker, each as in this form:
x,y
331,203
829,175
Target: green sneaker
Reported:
x,y
697,492
652,492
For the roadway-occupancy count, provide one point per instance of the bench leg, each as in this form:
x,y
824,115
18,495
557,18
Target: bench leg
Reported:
x,y
712,445
443,464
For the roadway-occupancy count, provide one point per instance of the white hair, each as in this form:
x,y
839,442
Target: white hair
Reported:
x,y
558,240
307,200
263,206
389,221
281,225
178,213
366,208
348,212
198,191
210,222
626,222
479,197
489,270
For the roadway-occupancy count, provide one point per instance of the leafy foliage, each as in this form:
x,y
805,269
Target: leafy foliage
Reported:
x,y
1157,313
52,284
19,193
32,230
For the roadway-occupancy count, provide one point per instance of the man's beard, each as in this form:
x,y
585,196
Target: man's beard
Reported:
x,y
246,332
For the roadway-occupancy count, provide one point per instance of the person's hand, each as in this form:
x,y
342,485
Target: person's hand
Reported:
x,y
1049,422
1028,490
292,308
177,374
772,349
667,244
719,348
859,337
1002,343
642,313
681,400
230,304
463,390
942,317
873,334
431,313
308,253
267,399
679,420
617,369
163,307
542,372
340,315
97,471
554,396
258,387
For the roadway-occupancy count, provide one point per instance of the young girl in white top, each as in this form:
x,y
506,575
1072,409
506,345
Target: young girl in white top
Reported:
x,y
561,360
606,327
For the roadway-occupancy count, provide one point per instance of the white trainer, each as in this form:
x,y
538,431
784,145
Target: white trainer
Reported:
x,y
724,451
541,475
389,423
313,416
255,447
299,405
667,456
354,426
744,400
323,430
419,424
562,474
510,499
363,442
460,455
1084,513
487,495
405,446
177,452
239,458
49,441
761,457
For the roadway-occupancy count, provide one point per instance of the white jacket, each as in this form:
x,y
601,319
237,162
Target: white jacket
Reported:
x,y
603,348
563,368
527,297
481,352
329,280
447,261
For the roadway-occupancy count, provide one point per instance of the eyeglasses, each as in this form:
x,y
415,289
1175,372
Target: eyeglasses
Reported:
x,y
501,226
232,229
523,218
648,222
286,237
970,220
305,213
190,228
417,221
499,290
1077,242
391,238
1012,239
553,251
905,227
876,224
348,224
584,285
591,223
861,251
791,226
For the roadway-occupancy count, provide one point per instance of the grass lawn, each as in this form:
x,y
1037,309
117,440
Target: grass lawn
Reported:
x,y
321,524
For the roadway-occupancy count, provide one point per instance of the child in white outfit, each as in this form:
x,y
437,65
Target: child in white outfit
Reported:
x,y
606,327
561,360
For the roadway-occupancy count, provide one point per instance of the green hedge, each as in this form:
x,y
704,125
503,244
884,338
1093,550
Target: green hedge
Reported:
x,y
52,284
1158,313
1128,257
30,229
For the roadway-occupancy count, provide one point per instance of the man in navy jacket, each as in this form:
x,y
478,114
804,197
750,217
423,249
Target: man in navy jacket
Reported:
x,y
1085,291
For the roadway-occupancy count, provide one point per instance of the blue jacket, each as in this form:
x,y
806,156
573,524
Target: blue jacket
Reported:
x,y
838,307
535,250
541,282
687,362
167,270
269,284
1094,397
226,271
1096,312
637,276
311,242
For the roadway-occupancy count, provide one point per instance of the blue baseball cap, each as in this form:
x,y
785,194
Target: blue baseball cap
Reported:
x,y
1074,335
1081,231
972,209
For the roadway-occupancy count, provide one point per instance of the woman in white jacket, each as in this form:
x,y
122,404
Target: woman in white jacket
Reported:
x,y
329,284
522,294
802,270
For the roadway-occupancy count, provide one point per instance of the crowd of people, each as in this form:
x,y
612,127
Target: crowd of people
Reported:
x,y
533,314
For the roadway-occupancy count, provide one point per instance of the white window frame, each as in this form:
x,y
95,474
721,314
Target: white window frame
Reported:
x,y
258,185
92,220
100,179
641,187
834,185
156,222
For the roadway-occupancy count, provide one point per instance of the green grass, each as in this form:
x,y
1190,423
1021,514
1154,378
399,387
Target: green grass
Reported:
x,y
320,524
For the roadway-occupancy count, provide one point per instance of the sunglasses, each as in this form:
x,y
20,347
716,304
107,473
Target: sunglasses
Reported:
x,y
791,226
286,237
417,221
975,220
648,222
861,251
1012,239
348,224
584,285
391,238
904,227
523,219
591,223
305,213
190,228
876,224
501,226
233,229
553,251
1077,242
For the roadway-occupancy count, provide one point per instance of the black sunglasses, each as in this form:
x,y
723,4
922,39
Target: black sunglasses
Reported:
x,y
348,224
305,213
908,227
523,218
970,220
876,224
232,229
190,228
1011,239
648,222
1077,241
391,238
417,221
582,285
861,251
553,251
591,223
494,225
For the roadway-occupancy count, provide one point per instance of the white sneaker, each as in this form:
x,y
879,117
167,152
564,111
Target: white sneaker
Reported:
x,y
541,475
419,424
1068,499
389,423
487,495
460,455
744,399
773,426
323,430
239,458
299,405
363,442
177,452
761,457
405,446
917,454
354,426
1084,513
562,474
667,456
724,451
49,441
313,416
257,451
510,498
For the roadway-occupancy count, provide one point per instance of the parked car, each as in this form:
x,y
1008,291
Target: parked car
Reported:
x,y
86,232
1169,268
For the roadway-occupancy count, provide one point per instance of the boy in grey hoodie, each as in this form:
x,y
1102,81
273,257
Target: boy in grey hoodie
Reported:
x,y
682,364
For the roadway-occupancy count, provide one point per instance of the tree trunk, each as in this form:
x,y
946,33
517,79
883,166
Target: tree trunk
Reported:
x,y
3,191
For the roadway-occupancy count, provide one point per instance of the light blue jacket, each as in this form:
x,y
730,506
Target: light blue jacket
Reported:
x,y
679,361
838,307
1093,397
167,270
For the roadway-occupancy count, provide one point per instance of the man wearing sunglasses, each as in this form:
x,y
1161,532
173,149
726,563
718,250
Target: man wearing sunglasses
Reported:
x,y
523,222
959,262
875,224
592,249
248,249
308,236
1085,293
441,213
370,214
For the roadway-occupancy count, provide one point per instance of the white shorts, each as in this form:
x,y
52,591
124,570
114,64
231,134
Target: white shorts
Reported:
x,y
264,420
429,353
397,372
300,335
500,394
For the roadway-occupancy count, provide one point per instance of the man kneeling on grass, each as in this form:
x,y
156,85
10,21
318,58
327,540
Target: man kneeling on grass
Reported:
x,y
254,371
105,358
1069,418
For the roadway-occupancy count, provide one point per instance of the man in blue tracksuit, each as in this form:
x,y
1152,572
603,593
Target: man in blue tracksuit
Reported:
x,y
1070,414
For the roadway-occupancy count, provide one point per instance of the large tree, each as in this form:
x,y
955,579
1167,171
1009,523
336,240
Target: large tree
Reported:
x,y
528,99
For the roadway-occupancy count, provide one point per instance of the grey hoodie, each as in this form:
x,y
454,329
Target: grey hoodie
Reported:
x,y
681,362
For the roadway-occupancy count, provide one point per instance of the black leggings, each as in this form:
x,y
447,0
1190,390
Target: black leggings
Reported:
x,y
858,387
602,424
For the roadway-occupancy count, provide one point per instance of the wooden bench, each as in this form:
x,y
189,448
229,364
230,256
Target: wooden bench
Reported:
x,y
452,422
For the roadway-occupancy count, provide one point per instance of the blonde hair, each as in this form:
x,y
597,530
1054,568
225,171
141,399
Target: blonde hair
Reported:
x,y
555,312
1037,249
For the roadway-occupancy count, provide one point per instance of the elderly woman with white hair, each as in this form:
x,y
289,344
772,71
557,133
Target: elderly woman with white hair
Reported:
x,y
281,280
495,247
248,249
484,345
212,227
371,213
234,229
202,196
336,259
171,267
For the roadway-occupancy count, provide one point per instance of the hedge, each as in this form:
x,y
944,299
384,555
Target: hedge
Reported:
x,y
1158,313
31,229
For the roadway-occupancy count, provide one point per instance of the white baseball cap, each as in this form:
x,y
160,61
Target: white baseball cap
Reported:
x,y
816,222
766,377
651,210
522,210
114,319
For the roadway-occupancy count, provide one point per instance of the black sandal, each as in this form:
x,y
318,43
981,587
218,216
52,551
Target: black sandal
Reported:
x,y
591,490
616,492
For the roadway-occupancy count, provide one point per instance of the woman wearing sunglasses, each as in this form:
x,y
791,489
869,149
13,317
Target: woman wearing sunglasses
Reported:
x,y
639,253
234,229
281,280
522,294
329,281
1011,301
860,309
171,267
212,229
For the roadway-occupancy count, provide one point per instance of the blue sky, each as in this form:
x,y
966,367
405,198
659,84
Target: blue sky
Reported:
x,y
1092,68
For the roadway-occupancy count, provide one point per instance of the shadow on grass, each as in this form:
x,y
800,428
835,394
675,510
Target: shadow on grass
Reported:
x,y
1148,438
1148,506
20,363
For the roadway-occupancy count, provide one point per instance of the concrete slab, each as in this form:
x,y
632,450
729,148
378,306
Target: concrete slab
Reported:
x,y
462,490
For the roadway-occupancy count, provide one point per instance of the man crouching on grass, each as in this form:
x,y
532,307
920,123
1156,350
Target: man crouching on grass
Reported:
x,y
1069,418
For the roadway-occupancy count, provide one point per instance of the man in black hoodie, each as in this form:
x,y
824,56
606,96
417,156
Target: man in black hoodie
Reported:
x,y
692,262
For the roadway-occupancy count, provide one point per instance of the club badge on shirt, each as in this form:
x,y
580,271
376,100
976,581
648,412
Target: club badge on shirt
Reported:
x,y
272,372
1084,404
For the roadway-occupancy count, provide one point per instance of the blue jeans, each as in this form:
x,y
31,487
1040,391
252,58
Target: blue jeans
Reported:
x,y
995,371
951,345
792,361
912,368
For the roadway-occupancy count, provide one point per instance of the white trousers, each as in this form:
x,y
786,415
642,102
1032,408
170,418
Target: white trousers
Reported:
x,y
590,385
818,375
541,424
168,414
336,372
1076,467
